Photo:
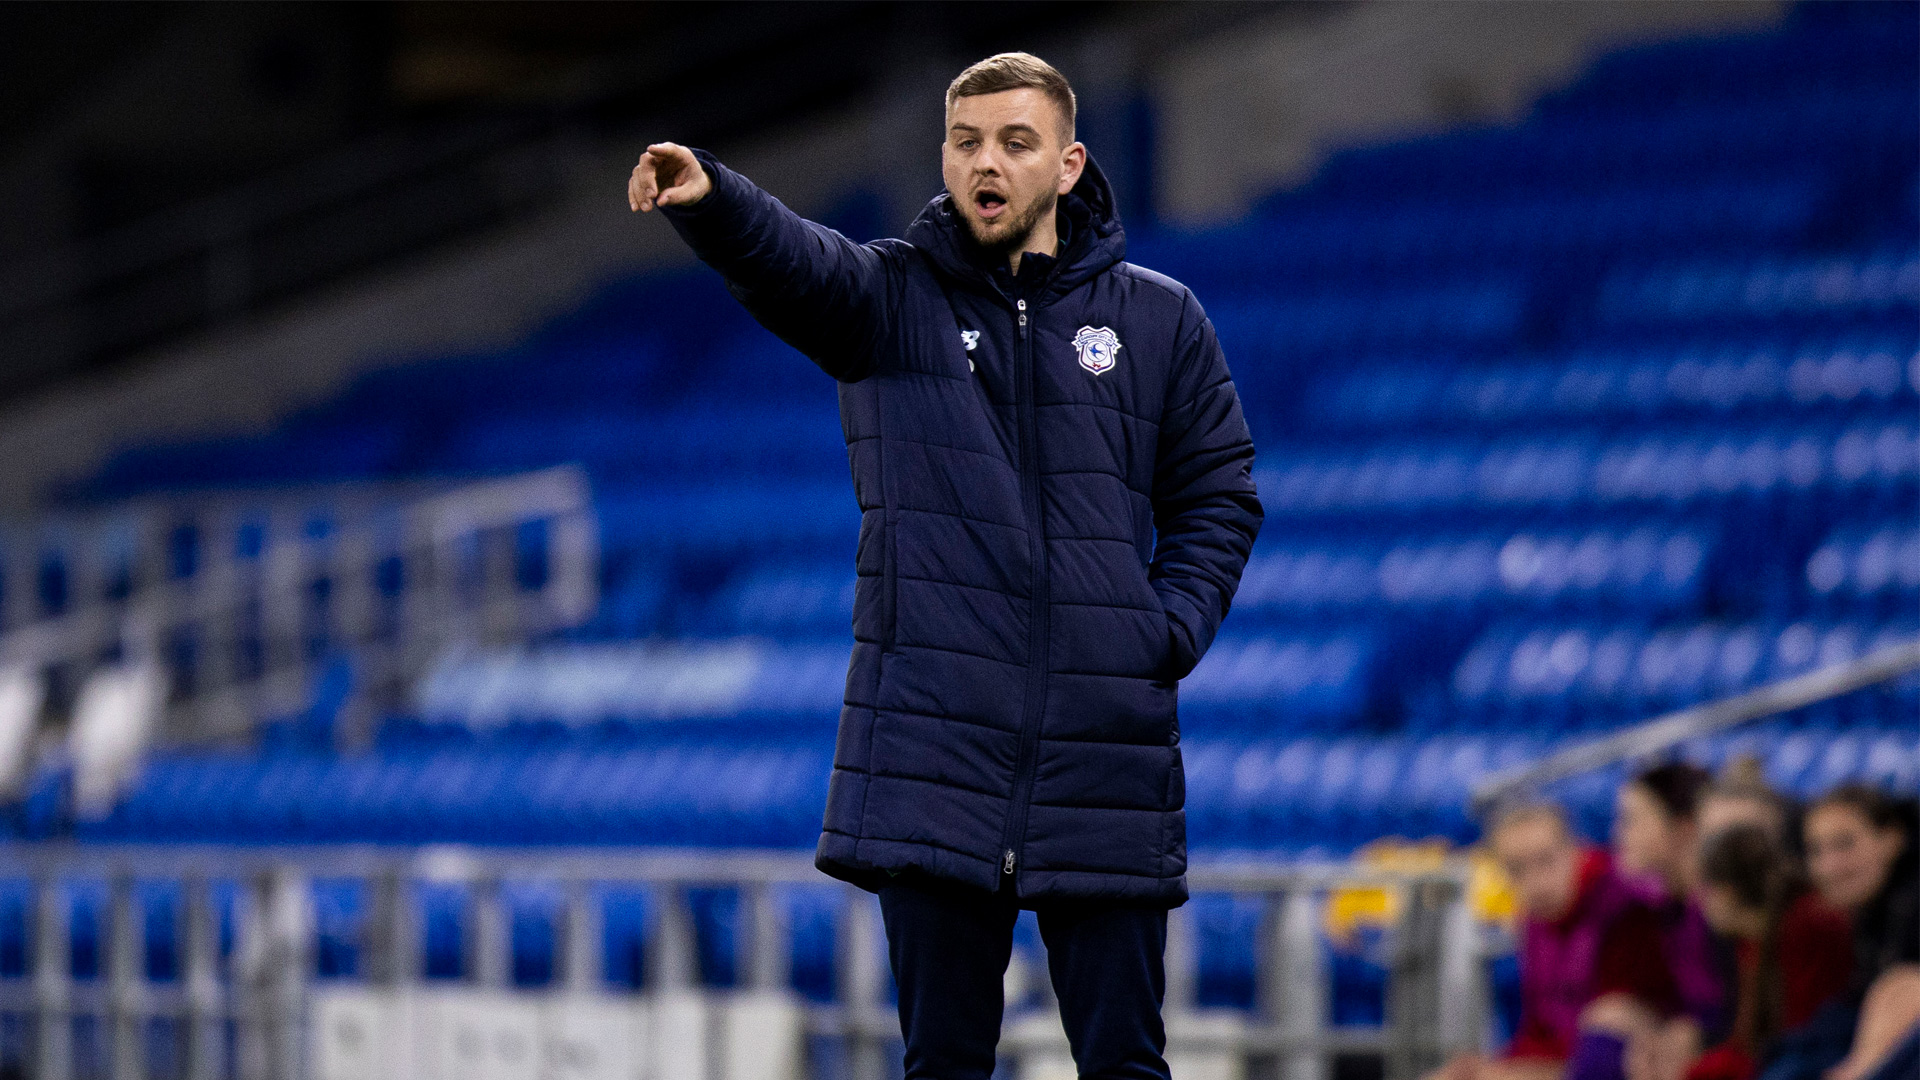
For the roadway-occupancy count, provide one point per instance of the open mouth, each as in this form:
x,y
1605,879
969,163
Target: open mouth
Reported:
x,y
989,204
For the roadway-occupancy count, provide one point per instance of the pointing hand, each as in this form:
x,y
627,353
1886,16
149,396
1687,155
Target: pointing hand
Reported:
x,y
668,175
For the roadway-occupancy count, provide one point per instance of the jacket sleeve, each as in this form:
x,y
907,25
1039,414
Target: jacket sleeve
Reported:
x,y
1205,510
818,291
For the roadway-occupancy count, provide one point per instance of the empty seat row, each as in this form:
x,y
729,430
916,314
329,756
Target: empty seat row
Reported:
x,y
1318,680
1259,791
1441,237
586,684
1276,327
788,598
1648,566
1641,668
801,438
1867,461
1645,567
1867,562
1819,286
1848,372
723,795
1863,129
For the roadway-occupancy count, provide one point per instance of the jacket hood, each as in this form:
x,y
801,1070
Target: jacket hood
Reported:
x,y
1095,240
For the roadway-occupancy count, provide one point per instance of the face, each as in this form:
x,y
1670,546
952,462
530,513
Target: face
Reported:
x,y
1542,862
1006,164
1645,839
1847,857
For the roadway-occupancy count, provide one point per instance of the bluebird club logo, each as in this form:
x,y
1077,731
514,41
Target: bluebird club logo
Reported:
x,y
1098,348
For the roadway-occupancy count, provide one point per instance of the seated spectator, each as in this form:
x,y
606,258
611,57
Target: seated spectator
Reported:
x,y
1861,856
1593,971
1655,845
1740,795
1794,953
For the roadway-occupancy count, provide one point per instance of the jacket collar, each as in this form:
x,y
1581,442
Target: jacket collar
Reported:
x,y
1089,224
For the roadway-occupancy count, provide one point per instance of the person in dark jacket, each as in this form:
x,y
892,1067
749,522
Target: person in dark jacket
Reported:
x,y
1656,835
1054,476
1793,952
1862,856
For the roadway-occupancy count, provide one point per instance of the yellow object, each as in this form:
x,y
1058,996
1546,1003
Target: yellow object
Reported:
x,y
1489,893
1352,908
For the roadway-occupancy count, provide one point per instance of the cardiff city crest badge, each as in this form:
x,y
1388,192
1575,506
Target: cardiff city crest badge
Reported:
x,y
1098,348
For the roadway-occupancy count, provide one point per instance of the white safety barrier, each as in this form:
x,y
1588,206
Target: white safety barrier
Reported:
x,y
356,1033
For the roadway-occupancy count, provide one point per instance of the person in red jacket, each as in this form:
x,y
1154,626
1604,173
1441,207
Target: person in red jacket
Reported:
x,y
1794,952
1593,967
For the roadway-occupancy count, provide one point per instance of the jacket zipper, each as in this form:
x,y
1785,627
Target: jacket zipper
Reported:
x,y
1038,610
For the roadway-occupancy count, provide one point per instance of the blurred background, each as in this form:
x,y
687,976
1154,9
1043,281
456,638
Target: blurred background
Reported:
x,y
387,516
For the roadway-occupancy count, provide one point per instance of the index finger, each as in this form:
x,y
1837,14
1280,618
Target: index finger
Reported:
x,y
646,181
633,189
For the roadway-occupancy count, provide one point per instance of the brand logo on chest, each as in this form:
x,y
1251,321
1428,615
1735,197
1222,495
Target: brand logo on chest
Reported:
x,y
1098,348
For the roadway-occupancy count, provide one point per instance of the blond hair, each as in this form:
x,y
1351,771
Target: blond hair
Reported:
x,y
1526,812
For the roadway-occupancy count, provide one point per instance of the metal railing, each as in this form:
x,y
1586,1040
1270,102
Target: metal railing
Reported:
x,y
232,603
1663,733
256,1011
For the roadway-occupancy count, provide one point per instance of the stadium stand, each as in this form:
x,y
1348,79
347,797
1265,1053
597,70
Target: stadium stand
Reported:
x,y
1561,424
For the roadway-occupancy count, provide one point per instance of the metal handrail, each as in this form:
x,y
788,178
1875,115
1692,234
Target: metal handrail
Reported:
x,y
253,620
1665,732
266,994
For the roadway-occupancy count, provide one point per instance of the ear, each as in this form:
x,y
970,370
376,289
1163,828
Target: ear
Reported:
x,y
1073,162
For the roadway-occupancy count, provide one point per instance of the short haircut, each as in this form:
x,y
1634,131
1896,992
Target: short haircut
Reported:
x,y
1677,787
1015,71
1526,811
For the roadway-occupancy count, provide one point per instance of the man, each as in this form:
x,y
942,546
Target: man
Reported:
x,y
1593,974
1053,472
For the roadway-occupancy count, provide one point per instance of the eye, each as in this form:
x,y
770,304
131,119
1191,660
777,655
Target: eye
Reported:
x,y
966,144
1016,144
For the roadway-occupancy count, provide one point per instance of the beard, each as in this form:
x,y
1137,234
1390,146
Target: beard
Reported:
x,y
1010,235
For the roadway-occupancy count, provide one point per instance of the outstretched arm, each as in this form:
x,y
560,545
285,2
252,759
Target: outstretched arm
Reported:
x,y
819,291
1205,511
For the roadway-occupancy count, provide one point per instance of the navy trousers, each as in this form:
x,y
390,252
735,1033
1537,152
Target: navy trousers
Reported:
x,y
949,945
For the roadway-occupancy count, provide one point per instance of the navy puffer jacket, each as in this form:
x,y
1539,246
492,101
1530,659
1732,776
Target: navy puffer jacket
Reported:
x,y
1053,474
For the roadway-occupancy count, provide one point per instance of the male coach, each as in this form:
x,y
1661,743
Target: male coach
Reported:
x,y
1053,475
